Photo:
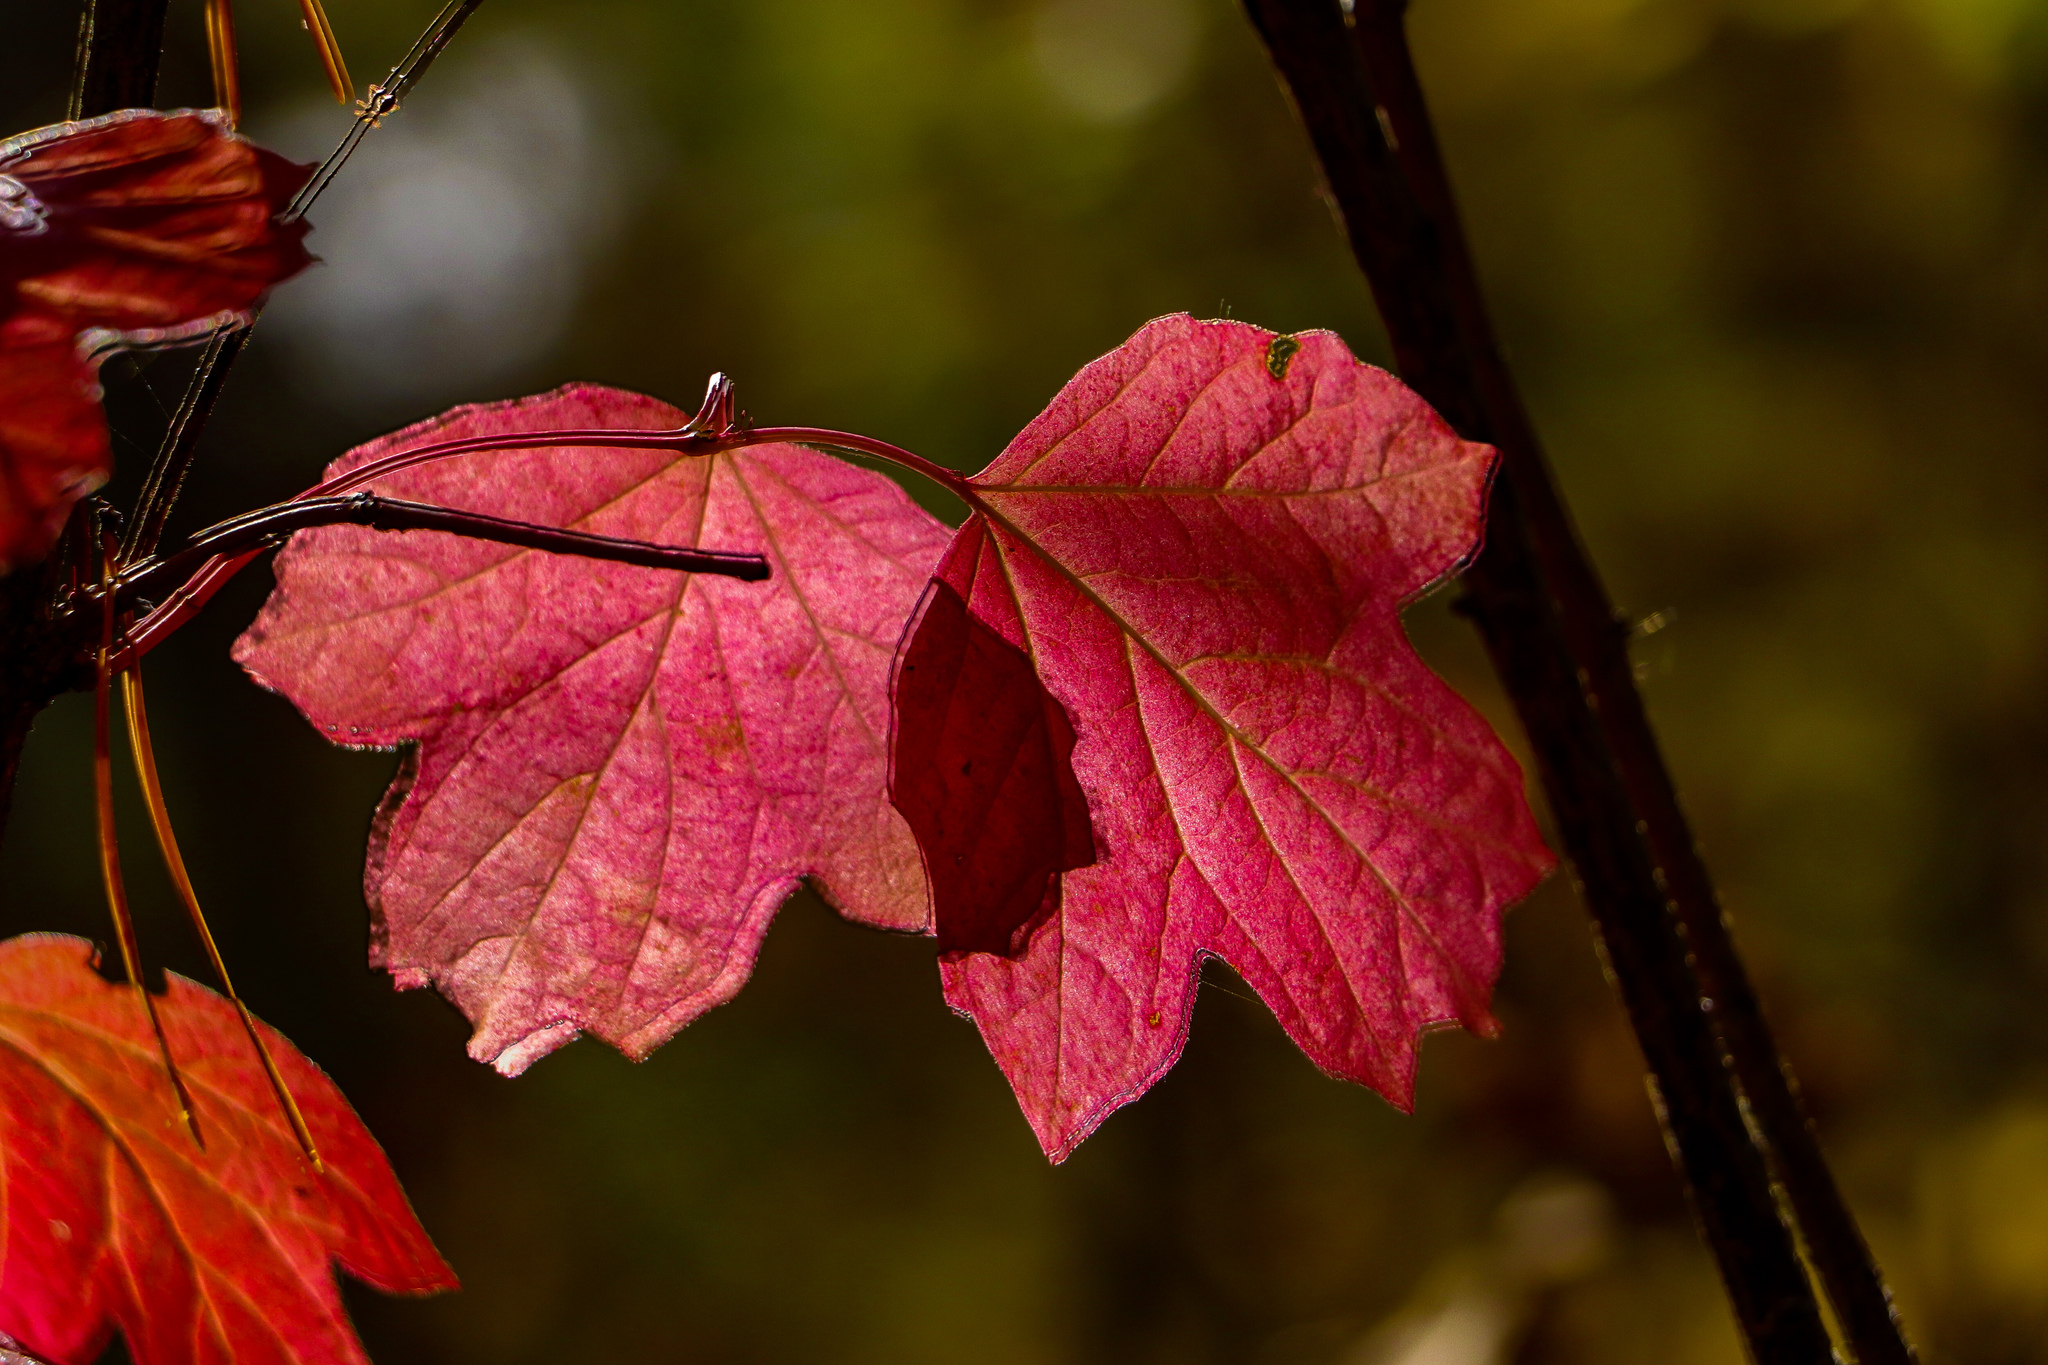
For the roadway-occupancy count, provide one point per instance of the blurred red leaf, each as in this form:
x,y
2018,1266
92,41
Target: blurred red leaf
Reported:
x,y
136,229
621,772
113,1218
1203,546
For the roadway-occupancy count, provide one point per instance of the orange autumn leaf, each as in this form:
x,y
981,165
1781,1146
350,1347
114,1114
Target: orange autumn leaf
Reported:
x,y
112,1216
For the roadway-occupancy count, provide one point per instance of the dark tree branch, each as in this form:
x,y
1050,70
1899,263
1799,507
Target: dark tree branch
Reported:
x,y
1848,1273
269,526
1556,642
120,43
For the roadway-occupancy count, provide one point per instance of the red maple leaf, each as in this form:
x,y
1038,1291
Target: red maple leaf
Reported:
x,y
1202,547
621,772
136,229
114,1218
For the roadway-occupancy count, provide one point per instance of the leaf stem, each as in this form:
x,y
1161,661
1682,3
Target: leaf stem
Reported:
x,y
821,438
215,555
383,99
1556,641
110,850
221,54
380,513
315,19
144,754
166,476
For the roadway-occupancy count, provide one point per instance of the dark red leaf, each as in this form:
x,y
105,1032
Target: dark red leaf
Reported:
x,y
136,229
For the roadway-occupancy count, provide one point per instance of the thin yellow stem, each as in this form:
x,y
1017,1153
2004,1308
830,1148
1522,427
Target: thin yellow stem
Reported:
x,y
160,819
110,852
330,50
220,46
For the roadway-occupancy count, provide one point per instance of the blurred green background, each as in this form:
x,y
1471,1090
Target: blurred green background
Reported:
x,y
1773,273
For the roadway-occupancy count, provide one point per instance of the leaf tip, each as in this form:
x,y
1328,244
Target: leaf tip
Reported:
x,y
513,1060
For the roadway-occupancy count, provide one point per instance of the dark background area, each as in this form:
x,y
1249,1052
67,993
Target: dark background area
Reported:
x,y
1773,273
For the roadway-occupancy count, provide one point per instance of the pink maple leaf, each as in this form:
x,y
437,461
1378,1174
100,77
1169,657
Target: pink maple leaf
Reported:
x,y
1203,546
621,773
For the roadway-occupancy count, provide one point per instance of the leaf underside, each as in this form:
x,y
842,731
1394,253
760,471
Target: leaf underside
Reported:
x,y
987,777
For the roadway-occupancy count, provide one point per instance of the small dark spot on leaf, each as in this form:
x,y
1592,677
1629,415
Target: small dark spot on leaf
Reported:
x,y
1153,1019
1279,351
